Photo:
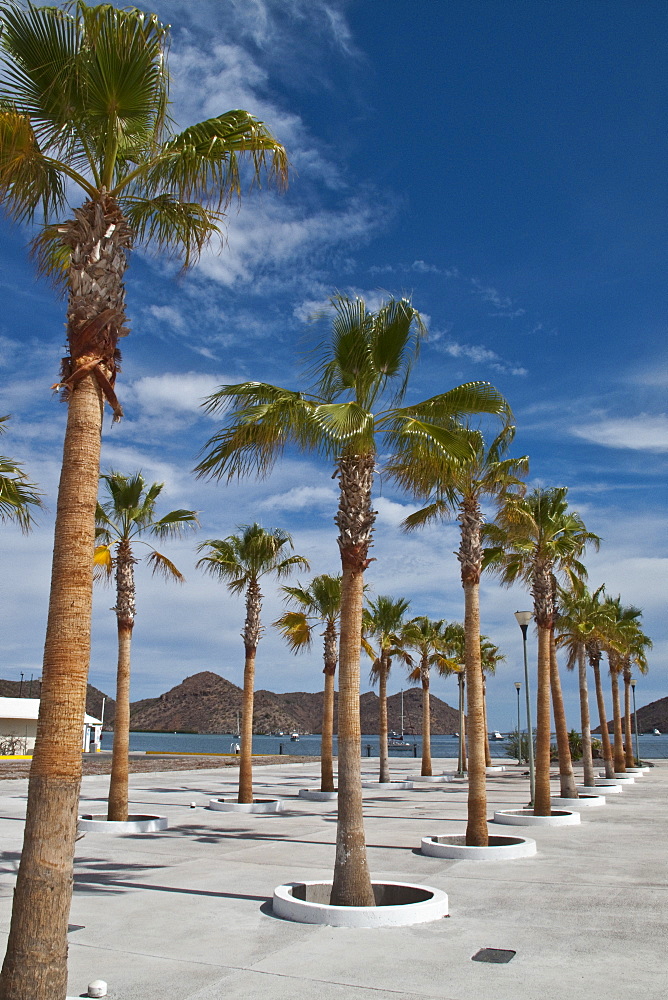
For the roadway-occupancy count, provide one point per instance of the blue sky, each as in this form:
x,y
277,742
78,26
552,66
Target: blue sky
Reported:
x,y
504,164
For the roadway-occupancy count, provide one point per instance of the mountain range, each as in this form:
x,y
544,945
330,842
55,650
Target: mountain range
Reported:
x,y
208,703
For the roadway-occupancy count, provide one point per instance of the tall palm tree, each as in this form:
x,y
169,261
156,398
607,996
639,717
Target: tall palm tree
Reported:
x,y
427,638
454,636
636,656
84,97
624,639
452,483
18,496
582,620
535,537
384,621
352,411
490,655
127,512
242,561
317,604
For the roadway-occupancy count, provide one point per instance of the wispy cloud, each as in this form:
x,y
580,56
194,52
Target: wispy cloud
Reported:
x,y
502,303
640,433
301,498
480,355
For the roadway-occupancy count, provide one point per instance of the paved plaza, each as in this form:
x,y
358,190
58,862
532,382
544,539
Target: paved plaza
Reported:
x,y
185,914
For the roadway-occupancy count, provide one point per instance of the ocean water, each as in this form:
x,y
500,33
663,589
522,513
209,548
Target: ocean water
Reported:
x,y
309,746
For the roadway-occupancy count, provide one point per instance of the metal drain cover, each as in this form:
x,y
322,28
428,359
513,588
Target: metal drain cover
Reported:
x,y
498,956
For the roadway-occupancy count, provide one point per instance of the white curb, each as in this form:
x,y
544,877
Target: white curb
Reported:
x,y
398,904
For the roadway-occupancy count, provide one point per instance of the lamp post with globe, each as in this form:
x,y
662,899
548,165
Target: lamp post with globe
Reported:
x,y
523,618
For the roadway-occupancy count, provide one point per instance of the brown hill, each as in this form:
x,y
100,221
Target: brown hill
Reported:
x,y
650,717
207,703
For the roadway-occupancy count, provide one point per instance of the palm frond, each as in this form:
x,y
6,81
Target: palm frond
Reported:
x,y
181,228
163,566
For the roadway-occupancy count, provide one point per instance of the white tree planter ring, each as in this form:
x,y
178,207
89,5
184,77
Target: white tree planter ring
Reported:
x,y
259,806
430,778
609,787
99,823
585,801
398,904
317,796
498,849
389,785
525,817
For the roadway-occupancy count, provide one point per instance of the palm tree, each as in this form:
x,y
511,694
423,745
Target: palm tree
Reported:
x,y
454,636
128,512
317,604
635,656
384,620
582,620
427,637
452,483
343,418
533,538
625,638
490,655
84,107
18,496
241,561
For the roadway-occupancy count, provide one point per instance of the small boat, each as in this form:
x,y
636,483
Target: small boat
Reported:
x,y
657,732
397,742
294,737
496,735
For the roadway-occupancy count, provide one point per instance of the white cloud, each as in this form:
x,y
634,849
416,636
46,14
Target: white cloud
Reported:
x,y
480,355
392,513
159,395
301,498
640,433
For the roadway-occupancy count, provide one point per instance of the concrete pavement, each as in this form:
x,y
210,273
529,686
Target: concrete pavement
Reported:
x,y
185,914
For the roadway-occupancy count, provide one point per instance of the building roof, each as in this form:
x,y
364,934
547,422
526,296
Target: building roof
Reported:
x,y
28,708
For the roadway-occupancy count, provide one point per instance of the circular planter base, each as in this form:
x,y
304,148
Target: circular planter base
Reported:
x,y
637,770
494,768
259,806
525,817
133,824
625,777
585,801
317,796
430,778
398,904
387,784
609,787
497,849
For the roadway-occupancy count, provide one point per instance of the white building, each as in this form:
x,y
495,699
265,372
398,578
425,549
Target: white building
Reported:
x,y
18,720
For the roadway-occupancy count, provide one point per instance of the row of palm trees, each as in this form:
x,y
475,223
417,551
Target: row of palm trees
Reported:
x,y
84,102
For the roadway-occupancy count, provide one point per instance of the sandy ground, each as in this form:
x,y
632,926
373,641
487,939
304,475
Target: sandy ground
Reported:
x,y
100,763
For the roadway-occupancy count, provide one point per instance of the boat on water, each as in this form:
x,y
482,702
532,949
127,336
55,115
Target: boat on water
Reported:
x,y
657,732
496,735
294,737
398,741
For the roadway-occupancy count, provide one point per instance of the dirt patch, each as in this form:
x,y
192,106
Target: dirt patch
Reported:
x,y
101,764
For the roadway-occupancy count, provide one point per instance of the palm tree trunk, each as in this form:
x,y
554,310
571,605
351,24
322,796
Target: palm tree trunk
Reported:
x,y
351,884
605,733
567,786
426,726
246,755
251,635
618,751
476,828
117,806
628,731
542,784
585,722
384,769
488,752
35,964
326,747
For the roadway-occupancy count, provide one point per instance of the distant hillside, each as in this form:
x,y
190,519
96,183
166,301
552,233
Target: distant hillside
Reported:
x,y
208,703
650,717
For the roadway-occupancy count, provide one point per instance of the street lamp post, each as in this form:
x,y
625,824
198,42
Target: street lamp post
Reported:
x,y
518,687
461,768
523,618
635,718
